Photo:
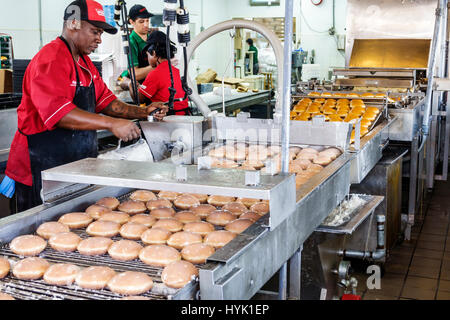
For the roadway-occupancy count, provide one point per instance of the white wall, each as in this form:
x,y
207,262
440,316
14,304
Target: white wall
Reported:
x,y
214,53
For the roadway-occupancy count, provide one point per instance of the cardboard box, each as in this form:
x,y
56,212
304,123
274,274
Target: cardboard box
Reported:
x,y
6,81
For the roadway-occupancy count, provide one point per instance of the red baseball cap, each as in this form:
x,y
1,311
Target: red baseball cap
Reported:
x,y
90,11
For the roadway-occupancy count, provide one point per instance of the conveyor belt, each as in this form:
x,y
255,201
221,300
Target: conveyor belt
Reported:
x,y
39,290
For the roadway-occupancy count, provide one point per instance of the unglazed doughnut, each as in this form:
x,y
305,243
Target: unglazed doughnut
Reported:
x,y
96,211
185,202
323,160
173,225
257,164
132,230
159,255
224,163
109,202
178,274
197,253
216,200
61,274
315,168
236,208
103,229
132,207
219,238
144,219
124,250
239,225
303,163
248,202
75,220
250,215
260,208
155,236
169,195
47,229
306,156
181,239
130,283
64,241
162,213
201,227
218,152
4,267
203,210
201,197
186,216
158,203
30,268
235,154
115,216
28,245
94,246
142,195
94,278
220,217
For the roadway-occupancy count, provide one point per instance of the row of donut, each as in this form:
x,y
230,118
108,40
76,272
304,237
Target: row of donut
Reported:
x,y
130,283
255,161
347,95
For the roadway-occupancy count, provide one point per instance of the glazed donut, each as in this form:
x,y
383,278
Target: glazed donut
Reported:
x,y
76,220
124,250
169,195
186,216
158,203
103,229
61,274
132,230
31,268
219,238
94,278
162,213
28,245
132,207
185,202
170,224
4,267
94,246
115,216
200,197
178,274
248,202
220,217
239,225
236,208
130,283
47,229
155,236
159,255
96,211
144,219
64,241
202,228
109,202
143,195
181,239
203,210
251,216
219,201
197,253
260,208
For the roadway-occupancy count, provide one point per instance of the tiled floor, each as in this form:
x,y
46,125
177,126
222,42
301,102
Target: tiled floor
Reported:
x,y
420,268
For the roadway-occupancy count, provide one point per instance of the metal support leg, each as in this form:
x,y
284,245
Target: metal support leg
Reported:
x,y
295,275
412,186
431,154
282,286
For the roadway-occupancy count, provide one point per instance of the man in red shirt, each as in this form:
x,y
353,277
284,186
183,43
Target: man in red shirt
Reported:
x,y
62,96
156,85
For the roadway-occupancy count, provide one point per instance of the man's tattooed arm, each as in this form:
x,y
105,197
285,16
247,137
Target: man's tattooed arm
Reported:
x,y
121,109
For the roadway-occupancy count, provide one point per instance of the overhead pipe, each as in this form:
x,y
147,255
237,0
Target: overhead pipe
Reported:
x,y
227,25
442,5
376,255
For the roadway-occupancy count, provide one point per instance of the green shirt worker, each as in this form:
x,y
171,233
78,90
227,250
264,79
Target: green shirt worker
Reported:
x,y
139,18
255,56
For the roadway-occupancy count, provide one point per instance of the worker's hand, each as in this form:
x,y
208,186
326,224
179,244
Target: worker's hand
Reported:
x,y
162,110
124,84
125,130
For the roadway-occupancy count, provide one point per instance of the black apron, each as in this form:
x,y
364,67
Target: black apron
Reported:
x,y
50,149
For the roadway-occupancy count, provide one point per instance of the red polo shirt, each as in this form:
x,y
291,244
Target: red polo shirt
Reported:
x,y
49,87
156,86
